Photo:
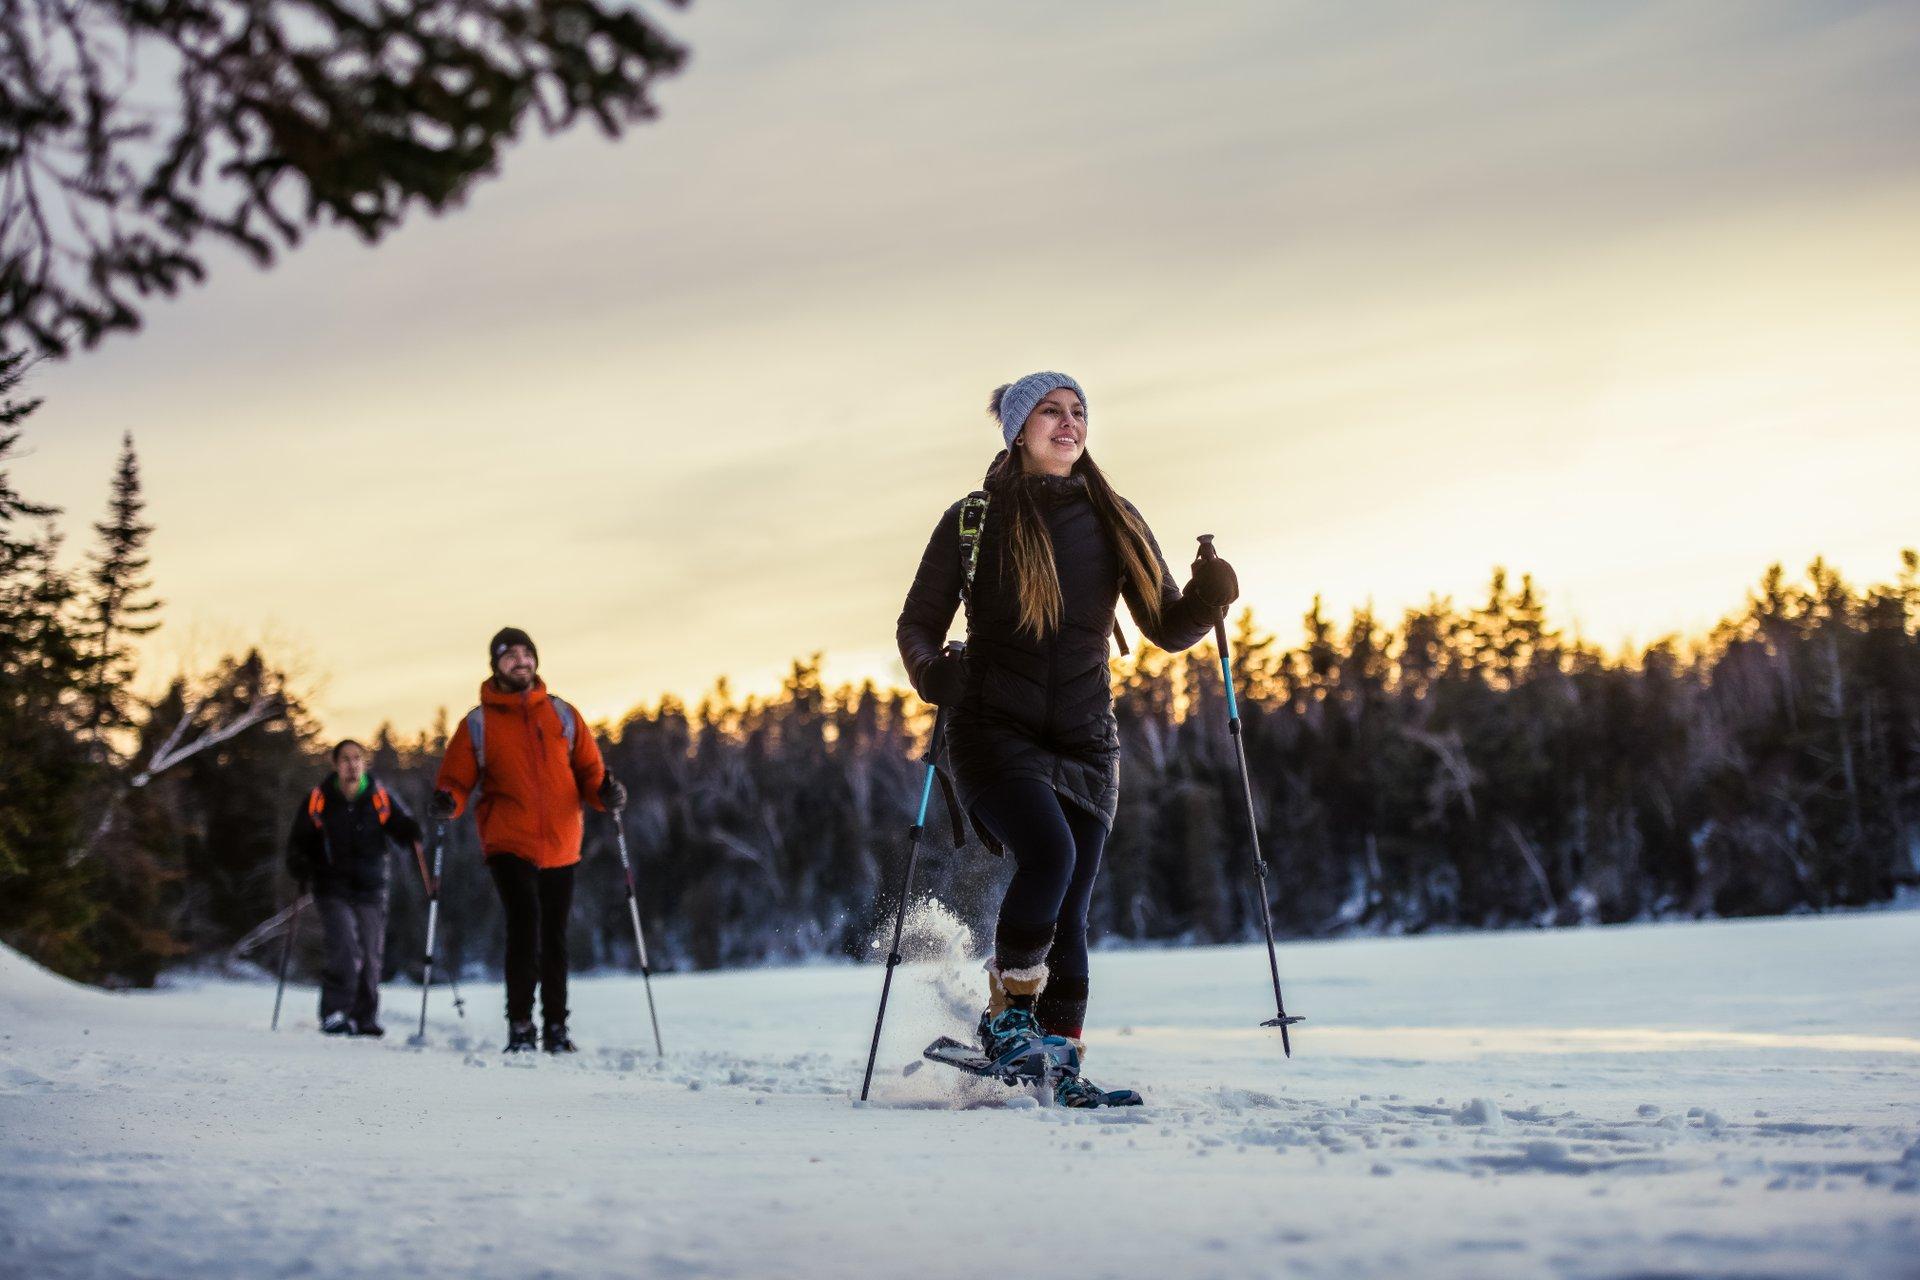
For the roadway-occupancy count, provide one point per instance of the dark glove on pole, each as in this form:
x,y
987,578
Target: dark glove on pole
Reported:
x,y
944,680
613,795
1214,583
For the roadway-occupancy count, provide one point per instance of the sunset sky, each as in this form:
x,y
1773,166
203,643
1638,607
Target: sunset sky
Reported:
x,y
1625,296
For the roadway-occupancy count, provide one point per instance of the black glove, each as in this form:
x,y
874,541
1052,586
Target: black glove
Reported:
x,y
442,806
944,680
613,795
1213,583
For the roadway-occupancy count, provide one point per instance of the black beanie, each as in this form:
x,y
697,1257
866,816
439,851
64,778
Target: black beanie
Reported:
x,y
503,640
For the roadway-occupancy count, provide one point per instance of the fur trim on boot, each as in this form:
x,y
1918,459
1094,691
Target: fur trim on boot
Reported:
x,y
1005,985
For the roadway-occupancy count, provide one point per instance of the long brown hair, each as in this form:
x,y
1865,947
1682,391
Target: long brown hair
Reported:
x,y
1026,548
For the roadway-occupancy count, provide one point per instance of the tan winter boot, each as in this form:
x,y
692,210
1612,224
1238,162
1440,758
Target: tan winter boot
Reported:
x,y
1004,984
1009,1015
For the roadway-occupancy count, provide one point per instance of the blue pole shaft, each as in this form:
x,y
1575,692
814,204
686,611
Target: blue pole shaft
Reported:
x,y
906,891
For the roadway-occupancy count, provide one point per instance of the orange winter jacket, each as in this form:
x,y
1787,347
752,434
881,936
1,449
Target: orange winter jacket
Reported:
x,y
529,803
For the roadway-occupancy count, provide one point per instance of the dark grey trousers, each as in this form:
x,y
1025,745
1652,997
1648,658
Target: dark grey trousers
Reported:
x,y
356,943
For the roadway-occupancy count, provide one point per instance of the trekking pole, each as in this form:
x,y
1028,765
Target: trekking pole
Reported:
x,y
433,921
286,954
639,936
453,979
1282,1021
906,883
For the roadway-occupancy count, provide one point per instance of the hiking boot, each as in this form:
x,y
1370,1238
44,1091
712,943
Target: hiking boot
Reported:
x,y
1010,1036
554,1039
336,1024
520,1038
373,1029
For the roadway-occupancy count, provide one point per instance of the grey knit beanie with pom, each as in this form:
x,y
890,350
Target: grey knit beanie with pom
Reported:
x,y
1013,402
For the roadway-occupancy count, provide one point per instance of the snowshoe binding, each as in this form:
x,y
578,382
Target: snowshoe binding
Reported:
x,y
1075,1090
521,1038
554,1039
336,1024
1013,1051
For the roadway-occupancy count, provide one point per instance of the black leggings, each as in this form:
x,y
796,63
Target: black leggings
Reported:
x,y
537,902
1056,848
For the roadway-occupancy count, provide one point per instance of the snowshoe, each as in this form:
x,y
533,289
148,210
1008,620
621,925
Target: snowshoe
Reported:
x,y
520,1038
554,1039
1016,1052
1078,1091
336,1024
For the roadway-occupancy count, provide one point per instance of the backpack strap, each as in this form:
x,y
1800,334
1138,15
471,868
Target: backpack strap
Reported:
x,y
477,732
973,522
477,735
569,721
316,809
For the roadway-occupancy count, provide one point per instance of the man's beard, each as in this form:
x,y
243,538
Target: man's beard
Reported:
x,y
514,684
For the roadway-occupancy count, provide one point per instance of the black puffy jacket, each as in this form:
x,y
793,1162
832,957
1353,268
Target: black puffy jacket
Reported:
x,y
1037,708
345,852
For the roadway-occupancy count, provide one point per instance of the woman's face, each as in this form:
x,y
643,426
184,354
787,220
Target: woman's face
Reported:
x,y
1055,434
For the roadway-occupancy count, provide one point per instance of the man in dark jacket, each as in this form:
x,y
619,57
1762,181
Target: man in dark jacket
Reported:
x,y
339,845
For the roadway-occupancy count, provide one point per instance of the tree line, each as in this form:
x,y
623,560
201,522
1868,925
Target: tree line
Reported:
x,y
1459,766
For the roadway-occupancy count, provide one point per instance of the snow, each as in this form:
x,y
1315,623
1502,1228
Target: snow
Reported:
x,y
1730,1098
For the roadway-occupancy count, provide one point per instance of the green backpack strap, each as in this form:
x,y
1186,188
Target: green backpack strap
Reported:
x,y
973,522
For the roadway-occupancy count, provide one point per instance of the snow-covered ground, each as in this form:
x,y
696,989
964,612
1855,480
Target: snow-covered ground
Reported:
x,y
1726,1099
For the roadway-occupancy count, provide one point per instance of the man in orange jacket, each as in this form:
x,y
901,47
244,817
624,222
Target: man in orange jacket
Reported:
x,y
533,763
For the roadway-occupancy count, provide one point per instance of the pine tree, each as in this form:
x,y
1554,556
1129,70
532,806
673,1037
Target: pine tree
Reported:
x,y
119,606
44,772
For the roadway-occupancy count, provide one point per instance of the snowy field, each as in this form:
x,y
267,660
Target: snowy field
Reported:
x,y
1704,1100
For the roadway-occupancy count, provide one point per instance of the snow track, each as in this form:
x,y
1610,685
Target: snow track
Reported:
x,y
1688,1100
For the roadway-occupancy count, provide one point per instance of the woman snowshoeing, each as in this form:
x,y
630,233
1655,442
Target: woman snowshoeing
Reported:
x,y
1041,557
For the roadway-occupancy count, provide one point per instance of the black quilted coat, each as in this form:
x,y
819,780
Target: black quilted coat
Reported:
x,y
1037,708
